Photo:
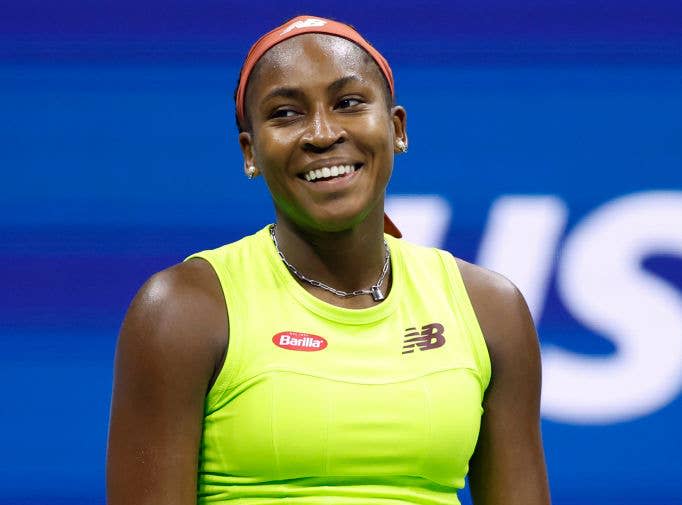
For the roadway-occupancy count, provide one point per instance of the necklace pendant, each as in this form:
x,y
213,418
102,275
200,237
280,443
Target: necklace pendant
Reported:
x,y
377,295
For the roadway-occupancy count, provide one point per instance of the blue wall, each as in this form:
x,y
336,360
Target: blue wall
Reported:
x,y
545,141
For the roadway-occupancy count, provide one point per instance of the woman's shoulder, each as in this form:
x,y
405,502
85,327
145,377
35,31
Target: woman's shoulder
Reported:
x,y
186,292
501,311
178,315
190,295
485,284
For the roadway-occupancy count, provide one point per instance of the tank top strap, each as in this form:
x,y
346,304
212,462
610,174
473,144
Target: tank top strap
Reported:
x,y
469,319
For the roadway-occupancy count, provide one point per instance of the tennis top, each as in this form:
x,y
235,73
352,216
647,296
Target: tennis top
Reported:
x,y
318,404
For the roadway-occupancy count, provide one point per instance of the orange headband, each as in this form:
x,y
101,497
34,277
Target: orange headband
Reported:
x,y
298,26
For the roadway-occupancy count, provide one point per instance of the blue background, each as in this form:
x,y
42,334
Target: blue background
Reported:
x,y
119,158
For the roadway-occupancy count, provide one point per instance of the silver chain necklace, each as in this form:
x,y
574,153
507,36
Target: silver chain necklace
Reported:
x,y
374,289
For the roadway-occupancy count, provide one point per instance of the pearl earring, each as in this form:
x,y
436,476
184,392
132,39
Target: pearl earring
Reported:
x,y
251,172
401,145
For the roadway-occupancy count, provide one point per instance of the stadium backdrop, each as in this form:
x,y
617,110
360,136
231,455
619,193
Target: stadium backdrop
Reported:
x,y
545,142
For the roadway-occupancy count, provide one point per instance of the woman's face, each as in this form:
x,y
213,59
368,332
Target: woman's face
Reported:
x,y
315,102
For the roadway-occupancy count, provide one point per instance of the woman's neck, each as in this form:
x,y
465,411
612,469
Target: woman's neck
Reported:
x,y
348,261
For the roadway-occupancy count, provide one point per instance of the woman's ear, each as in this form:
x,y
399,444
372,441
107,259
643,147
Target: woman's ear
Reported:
x,y
399,119
246,146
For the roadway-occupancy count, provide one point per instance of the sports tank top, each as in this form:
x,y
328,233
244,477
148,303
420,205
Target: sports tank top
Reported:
x,y
318,404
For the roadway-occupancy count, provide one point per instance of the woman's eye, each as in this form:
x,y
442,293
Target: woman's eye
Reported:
x,y
283,113
348,102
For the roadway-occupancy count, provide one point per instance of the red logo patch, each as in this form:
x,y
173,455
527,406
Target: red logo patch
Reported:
x,y
296,341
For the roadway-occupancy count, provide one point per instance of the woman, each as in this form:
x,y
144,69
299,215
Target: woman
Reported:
x,y
319,360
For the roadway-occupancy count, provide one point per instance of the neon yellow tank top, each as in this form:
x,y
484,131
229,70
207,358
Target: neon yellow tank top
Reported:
x,y
318,404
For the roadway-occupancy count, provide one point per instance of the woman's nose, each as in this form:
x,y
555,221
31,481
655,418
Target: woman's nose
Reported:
x,y
323,131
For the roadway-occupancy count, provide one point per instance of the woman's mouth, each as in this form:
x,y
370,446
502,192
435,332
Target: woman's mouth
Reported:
x,y
330,173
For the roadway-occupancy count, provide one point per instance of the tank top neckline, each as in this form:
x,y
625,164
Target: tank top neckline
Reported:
x,y
332,312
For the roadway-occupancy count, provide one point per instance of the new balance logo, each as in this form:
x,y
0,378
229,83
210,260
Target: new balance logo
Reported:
x,y
310,22
430,337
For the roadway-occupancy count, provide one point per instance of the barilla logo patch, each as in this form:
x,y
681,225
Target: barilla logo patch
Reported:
x,y
310,22
296,341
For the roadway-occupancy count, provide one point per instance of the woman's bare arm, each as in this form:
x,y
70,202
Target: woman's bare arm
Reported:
x,y
508,465
170,347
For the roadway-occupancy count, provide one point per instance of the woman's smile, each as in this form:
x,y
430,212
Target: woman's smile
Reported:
x,y
329,172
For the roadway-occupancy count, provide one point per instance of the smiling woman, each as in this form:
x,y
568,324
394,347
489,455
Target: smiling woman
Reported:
x,y
314,104
322,360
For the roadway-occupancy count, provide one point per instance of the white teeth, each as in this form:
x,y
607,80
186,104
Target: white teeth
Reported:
x,y
334,171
